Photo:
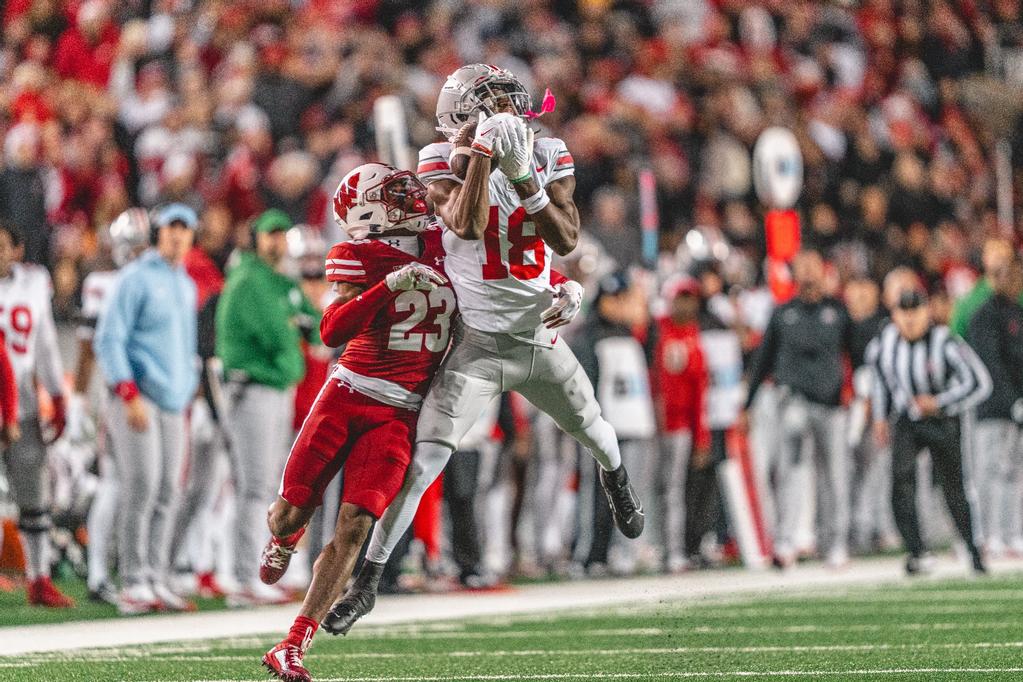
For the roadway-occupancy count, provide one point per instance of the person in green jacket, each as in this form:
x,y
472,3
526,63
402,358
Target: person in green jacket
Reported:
x,y
997,253
261,318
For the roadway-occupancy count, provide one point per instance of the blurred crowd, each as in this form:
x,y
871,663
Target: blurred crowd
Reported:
x,y
909,136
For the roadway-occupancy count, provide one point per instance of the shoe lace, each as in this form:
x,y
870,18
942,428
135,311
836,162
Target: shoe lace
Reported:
x,y
625,502
276,555
294,655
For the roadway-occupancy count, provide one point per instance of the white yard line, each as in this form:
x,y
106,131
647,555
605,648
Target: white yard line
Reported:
x,y
878,672
534,599
537,653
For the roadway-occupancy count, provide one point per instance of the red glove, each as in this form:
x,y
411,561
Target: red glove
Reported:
x,y
59,420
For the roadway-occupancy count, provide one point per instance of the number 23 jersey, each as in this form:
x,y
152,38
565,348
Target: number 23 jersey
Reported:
x,y
396,355
503,281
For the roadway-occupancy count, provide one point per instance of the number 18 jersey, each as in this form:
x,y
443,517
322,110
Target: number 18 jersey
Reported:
x,y
503,281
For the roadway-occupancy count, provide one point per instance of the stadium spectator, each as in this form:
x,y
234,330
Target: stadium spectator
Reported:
x,y
145,343
262,317
803,349
924,407
616,363
680,382
996,334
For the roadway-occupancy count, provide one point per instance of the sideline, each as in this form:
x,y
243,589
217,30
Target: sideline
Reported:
x,y
538,599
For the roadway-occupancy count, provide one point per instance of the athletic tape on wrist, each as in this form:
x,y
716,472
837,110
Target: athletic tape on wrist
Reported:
x,y
536,202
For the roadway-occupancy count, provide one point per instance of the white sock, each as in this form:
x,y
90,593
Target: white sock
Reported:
x,y
101,524
37,554
428,462
602,442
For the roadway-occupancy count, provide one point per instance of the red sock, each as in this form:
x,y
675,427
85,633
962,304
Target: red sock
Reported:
x,y
302,631
291,540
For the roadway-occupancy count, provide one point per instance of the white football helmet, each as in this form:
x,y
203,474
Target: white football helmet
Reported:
x,y
474,88
375,198
306,251
129,234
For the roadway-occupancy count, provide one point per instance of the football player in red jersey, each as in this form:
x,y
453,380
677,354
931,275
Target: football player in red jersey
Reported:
x,y
393,310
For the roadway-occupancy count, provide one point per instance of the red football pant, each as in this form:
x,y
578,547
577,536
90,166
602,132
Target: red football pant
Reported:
x,y
372,441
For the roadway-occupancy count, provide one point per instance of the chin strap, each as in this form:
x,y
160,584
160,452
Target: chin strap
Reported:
x,y
546,106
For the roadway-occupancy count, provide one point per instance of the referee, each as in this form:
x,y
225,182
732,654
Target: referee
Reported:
x,y
926,379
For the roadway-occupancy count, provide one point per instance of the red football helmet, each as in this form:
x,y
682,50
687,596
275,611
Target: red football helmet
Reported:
x,y
375,198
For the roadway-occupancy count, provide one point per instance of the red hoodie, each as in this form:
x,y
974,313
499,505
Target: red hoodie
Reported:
x,y
679,379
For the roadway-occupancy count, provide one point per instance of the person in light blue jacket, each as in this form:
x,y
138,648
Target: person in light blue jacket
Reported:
x,y
145,344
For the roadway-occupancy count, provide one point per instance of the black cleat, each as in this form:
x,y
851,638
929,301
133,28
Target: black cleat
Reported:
x,y
104,594
979,567
626,508
360,600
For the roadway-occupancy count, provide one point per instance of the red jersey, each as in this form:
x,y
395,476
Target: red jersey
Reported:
x,y
680,379
395,340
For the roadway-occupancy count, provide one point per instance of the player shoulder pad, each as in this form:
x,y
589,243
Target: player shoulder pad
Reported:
x,y
345,263
433,163
553,158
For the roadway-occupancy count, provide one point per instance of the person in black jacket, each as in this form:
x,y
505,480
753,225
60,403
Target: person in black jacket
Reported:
x,y
617,364
996,334
803,349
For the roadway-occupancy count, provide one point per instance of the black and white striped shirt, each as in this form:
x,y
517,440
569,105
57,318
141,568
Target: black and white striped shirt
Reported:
x,y
937,364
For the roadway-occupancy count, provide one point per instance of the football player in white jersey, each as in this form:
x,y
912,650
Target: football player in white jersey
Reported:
x,y
501,229
128,236
26,323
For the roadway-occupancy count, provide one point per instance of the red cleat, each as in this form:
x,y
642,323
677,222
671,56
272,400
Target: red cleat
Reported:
x,y
276,557
209,588
284,661
42,592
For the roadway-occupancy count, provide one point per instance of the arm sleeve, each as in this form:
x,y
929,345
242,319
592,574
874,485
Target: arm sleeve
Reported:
x,y
343,320
880,398
982,335
434,164
762,362
113,332
970,382
49,368
8,388
562,163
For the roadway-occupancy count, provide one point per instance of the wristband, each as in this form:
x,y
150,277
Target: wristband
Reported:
x,y
537,202
126,390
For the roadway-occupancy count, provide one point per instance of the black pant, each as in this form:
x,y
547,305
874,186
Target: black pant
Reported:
x,y
460,477
942,436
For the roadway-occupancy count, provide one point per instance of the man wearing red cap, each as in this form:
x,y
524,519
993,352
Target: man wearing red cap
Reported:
x,y
679,379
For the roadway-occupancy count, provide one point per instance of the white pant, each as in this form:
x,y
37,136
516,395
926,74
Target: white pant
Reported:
x,y
820,426
482,365
999,477
150,465
260,423
676,451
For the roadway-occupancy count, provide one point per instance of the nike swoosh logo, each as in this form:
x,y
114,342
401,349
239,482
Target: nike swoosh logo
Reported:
x,y
282,659
540,169
554,340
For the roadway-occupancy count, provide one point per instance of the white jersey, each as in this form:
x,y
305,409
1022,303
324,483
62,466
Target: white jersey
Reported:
x,y
503,281
623,387
26,321
96,290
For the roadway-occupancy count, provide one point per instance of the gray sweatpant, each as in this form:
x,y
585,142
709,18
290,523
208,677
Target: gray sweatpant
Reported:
x,y
998,474
150,464
260,423
676,450
803,424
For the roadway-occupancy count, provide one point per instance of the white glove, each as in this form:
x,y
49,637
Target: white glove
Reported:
x,y
568,299
516,162
80,427
489,140
414,276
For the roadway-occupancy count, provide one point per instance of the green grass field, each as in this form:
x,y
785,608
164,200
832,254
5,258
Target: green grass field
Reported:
x,y
948,630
